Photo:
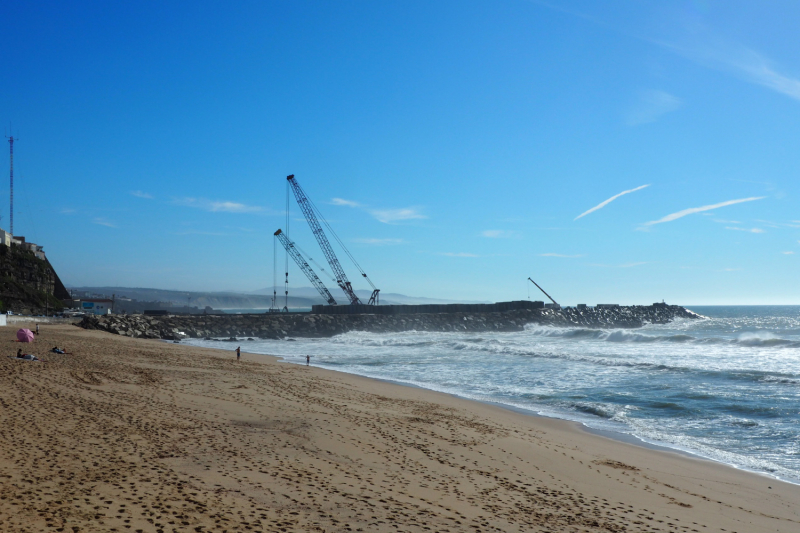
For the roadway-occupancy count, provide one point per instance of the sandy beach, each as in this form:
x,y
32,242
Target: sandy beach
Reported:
x,y
147,436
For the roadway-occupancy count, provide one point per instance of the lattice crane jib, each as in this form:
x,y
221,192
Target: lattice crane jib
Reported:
x,y
545,293
322,240
289,246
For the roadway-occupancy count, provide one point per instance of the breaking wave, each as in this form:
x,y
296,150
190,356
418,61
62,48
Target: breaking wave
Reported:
x,y
756,339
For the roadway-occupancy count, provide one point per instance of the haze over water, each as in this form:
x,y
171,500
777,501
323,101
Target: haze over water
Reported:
x,y
726,388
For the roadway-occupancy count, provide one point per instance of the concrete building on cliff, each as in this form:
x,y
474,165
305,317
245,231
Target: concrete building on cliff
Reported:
x,y
9,239
28,282
5,237
35,249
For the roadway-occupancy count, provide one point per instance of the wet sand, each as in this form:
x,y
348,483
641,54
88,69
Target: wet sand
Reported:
x,y
147,436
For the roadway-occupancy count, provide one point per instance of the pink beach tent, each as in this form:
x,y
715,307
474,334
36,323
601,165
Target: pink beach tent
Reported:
x,y
24,335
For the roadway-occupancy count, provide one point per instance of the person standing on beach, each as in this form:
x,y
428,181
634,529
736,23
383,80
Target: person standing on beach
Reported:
x,y
308,359
238,352
37,328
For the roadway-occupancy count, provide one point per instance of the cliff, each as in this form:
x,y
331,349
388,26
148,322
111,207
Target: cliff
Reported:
x,y
28,285
278,325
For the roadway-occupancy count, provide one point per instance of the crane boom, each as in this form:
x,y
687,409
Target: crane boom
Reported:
x,y
322,240
304,266
541,289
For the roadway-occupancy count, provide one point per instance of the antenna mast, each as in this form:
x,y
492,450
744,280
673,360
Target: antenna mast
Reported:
x,y
11,218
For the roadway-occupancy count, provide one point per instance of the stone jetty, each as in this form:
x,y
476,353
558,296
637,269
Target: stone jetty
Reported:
x,y
287,325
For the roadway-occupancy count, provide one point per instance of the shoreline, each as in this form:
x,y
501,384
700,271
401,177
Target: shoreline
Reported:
x,y
617,436
153,436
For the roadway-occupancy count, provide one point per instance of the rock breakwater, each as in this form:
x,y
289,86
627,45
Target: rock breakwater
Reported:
x,y
281,326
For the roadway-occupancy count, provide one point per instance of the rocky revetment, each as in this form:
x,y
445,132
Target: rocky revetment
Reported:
x,y
287,325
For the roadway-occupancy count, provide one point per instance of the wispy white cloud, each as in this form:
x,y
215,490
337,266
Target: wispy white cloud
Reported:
x,y
211,233
693,210
458,254
218,206
379,242
721,54
239,228
606,202
140,194
103,222
233,207
787,253
498,234
750,230
68,211
713,51
560,255
778,225
768,184
342,201
389,216
760,70
385,215
651,106
624,265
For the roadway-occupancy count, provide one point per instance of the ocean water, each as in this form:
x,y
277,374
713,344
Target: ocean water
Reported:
x,y
726,388
261,310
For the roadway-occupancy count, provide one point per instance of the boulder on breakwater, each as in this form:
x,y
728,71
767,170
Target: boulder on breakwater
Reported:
x,y
283,325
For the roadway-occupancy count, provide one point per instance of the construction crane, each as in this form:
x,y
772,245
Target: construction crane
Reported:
x,y
541,289
310,211
304,266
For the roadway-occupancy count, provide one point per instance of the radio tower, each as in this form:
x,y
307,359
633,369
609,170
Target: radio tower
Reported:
x,y
11,218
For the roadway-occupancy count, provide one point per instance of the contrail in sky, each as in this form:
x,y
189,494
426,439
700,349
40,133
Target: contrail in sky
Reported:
x,y
603,204
693,210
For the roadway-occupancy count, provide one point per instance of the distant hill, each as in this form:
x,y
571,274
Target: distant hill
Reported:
x,y
260,299
216,300
386,298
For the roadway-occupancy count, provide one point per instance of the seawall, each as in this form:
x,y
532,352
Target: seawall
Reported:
x,y
279,326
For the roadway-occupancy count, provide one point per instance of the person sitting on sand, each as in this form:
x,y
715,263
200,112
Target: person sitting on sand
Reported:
x,y
26,356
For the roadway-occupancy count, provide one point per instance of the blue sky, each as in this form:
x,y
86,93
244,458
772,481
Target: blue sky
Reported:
x,y
452,145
